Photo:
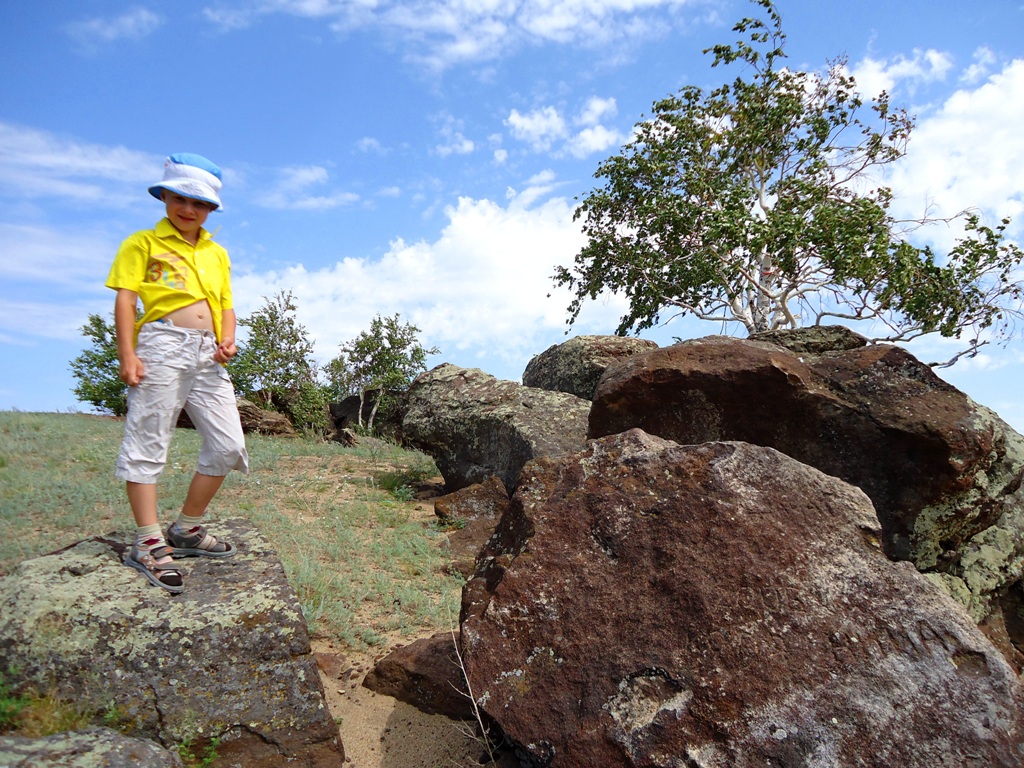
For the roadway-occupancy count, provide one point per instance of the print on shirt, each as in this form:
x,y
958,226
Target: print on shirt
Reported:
x,y
169,270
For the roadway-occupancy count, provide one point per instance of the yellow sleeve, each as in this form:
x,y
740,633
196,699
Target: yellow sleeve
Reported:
x,y
226,296
129,267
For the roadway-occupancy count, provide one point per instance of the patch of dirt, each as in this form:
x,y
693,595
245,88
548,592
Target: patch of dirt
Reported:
x,y
381,732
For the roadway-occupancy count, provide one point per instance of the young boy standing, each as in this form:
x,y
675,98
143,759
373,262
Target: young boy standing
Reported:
x,y
172,358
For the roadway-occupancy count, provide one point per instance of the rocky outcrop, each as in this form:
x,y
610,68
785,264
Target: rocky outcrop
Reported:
x,y
645,603
575,366
387,421
262,421
476,426
426,674
944,473
91,748
229,658
472,513
255,420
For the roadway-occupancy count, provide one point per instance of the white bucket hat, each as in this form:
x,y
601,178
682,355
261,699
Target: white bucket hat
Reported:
x,y
190,176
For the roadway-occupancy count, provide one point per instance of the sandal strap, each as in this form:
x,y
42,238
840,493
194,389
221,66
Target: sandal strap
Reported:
x,y
159,553
198,538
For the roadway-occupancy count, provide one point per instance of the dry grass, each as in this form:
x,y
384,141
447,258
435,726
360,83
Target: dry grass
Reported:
x,y
361,552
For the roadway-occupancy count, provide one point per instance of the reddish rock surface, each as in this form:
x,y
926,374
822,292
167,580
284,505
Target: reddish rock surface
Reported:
x,y
650,604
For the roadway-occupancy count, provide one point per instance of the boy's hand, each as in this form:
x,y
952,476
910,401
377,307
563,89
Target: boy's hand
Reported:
x,y
132,370
225,351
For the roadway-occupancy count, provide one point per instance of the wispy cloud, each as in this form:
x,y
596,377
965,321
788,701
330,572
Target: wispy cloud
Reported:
x,y
39,164
291,191
440,33
135,24
453,141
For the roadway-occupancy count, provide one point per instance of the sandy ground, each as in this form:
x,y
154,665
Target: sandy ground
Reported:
x,y
382,732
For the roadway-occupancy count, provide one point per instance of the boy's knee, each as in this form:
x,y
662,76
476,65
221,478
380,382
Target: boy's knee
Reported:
x,y
225,459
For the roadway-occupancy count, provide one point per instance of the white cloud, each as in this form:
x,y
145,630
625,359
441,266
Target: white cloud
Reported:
x,y
440,33
596,109
984,59
39,164
901,72
453,142
133,25
291,191
594,139
967,154
369,144
539,128
57,258
543,128
479,291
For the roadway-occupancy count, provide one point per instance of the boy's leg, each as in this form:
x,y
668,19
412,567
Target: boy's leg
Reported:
x,y
150,554
153,406
187,534
212,407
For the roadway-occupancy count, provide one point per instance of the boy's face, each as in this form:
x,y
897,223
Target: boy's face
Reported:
x,y
187,215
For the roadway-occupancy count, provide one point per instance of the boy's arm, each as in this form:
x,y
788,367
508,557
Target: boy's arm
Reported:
x,y
226,349
125,305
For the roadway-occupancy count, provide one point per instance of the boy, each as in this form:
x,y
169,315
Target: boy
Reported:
x,y
173,357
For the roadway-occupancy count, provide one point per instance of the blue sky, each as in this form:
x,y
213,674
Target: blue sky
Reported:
x,y
423,157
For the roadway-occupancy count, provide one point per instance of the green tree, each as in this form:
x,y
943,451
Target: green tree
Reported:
x,y
275,367
98,369
753,203
383,360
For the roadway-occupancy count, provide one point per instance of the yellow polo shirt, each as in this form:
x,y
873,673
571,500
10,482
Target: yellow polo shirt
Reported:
x,y
168,272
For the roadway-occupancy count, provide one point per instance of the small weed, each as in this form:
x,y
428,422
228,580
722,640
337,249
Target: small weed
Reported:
x,y
449,525
204,759
11,706
404,493
47,714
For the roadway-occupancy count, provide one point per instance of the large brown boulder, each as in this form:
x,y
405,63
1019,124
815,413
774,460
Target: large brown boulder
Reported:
x,y
943,472
229,658
476,426
722,605
575,366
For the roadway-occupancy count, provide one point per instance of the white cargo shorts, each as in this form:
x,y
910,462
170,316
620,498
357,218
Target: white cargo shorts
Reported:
x,y
180,372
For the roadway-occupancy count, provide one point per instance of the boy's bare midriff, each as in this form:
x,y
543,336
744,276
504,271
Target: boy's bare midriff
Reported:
x,y
198,316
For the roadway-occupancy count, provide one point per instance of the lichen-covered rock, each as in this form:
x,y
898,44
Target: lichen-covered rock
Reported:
x,y
229,658
89,748
476,426
722,605
575,366
943,472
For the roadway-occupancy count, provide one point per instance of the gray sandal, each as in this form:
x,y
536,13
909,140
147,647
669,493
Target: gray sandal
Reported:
x,y
163,575
196,542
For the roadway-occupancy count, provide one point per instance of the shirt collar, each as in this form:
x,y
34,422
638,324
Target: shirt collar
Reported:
x,y
164,228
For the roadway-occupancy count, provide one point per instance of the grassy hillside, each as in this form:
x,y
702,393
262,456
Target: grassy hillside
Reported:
x,y
361,552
